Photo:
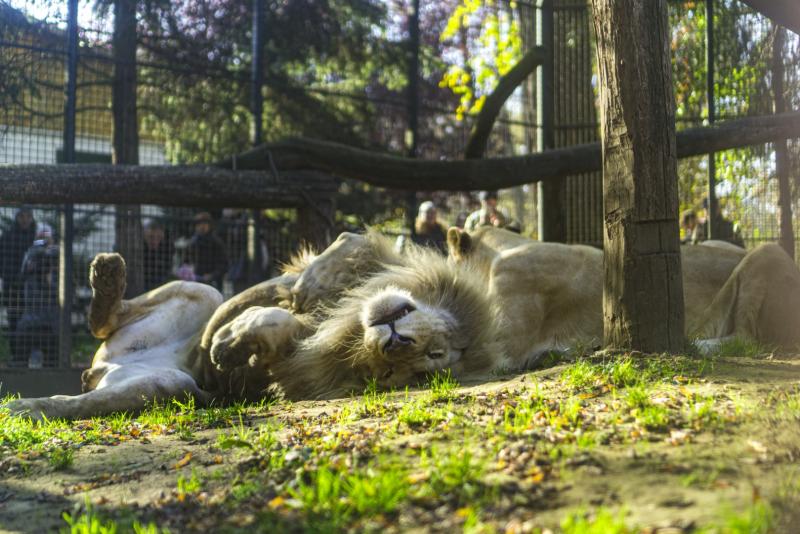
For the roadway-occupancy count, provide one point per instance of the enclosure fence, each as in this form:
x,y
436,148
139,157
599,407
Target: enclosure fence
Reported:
x,y
35,320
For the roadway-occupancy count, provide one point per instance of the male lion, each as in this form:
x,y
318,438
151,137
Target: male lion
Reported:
x,y
327,326
361,312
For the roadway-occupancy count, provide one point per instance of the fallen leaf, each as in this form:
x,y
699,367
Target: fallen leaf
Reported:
x,y
183,461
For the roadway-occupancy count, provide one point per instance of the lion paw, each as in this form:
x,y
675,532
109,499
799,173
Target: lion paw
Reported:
x,y
261,332
33,408
107,274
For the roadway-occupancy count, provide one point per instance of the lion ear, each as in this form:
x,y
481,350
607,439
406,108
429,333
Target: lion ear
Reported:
x,y
458,242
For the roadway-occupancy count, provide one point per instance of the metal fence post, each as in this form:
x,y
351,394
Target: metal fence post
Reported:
x,y
712,218
552,195
253,252
65,268
412,105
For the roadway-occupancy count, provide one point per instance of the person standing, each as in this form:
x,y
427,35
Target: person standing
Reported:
x,y
14,243
206,253
157,255
490,213
428,231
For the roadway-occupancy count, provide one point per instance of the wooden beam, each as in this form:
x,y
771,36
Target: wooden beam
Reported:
x,y
193,186
397,172
783,12
255,187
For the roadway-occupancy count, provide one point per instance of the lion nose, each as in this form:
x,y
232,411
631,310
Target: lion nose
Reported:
x,y
396,341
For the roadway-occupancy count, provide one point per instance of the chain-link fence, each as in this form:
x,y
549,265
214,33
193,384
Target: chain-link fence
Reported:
x,y
194,111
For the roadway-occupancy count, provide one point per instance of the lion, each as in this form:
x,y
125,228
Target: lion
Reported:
x,y
360,312
329,325
552,293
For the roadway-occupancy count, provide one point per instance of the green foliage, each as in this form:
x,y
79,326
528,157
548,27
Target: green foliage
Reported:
x,y
91,522
602,521
485,58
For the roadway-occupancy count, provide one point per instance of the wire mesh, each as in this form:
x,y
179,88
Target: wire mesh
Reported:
x,y
32,59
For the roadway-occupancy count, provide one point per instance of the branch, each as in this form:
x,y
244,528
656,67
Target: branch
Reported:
x,y
190,185
479,136
396,172
783,12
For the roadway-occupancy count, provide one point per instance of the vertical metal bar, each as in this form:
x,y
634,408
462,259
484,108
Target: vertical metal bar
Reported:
x,y
552,218
253,252
711,218
65,267
258,71
412,103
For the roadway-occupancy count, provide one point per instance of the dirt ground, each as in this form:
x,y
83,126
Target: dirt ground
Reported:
x,y
629,444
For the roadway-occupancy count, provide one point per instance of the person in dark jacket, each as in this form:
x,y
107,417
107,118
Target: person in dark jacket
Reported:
x,y
13,244
37,329
206,253
428,231
157,255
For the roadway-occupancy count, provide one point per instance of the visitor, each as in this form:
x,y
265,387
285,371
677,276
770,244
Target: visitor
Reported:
x,y
205,254
157,255
427,230
37,330
488,215
689,227
14,242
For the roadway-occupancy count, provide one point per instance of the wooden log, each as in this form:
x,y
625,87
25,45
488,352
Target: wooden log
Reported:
x,y
643,287
397,172
784,12
193,186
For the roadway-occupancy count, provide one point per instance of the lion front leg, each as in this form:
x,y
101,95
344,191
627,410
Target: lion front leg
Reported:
x,y
258,335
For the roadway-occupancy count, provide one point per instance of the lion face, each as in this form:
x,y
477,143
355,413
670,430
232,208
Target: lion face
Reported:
x,y
404,337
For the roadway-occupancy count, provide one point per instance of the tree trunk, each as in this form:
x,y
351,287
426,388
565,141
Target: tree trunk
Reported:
x,y
128,224
782,161
643,290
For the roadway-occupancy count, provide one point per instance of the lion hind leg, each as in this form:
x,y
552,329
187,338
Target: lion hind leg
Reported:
x,y
107,274
128,394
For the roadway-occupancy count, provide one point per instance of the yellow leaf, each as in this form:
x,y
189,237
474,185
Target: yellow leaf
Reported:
x,y
277,502
183,461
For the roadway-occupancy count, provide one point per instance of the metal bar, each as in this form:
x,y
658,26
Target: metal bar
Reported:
x,y
258,71
412,134
712,214
65,268
552,219
253,251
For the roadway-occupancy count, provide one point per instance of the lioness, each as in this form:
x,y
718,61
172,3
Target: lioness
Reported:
x,y
360,312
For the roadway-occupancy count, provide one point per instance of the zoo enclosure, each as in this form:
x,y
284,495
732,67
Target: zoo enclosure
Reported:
x,y
35,122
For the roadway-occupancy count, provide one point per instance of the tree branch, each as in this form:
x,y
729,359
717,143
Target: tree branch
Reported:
x,y
397,172
479,136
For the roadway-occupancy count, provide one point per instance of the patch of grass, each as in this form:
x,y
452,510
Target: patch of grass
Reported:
x,y
601,521
91,522
580,375
442,386
741,348
700,413
373,403
649,415
456,472
190,486
520,417
336,497
758,518
61,458
419,412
